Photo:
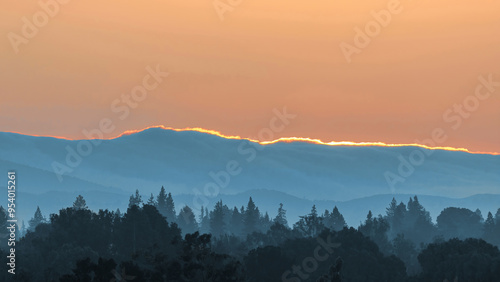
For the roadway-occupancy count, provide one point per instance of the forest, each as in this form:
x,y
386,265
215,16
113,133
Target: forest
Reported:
x,y
150,241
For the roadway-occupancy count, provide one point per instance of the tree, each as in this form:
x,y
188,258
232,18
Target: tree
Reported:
x,y
334,220
310,225
80,203
186,221
281,216
470,260
376,229
37,219
236,225
265,223
460,223
161,201
135,200
406,251
170,208
491,230
251,217
217,225
204,221
151,201
418,226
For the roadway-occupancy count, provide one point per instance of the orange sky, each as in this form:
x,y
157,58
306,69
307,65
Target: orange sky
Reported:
x,y
229,75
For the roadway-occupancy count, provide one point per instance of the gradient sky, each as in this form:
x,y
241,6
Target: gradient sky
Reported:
x,y
229,75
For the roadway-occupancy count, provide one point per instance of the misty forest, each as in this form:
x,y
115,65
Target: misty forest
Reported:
x,y
152,242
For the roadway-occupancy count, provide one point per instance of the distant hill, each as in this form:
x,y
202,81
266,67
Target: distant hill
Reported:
x,y
185,162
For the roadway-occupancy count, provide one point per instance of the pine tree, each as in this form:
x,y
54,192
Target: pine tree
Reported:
x,y
151,201
281,216
489,230
217,225
235,226
204,221
480,215
36,219
310,225
251,217
391,210
135,200
265,223
161,201
337,219
170,209
80,203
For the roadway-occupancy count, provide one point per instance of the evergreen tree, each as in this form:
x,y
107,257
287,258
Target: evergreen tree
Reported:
x,y
151,201
236,225
251,217
418,226
480,215
265,223
80,203
337,220
187,221
391,210
217,226
310,225
161,201
170,209
135,200
490,230
37,219
281,216
204,221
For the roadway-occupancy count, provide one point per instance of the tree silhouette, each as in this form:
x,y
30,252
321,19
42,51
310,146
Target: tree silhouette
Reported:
x,y
187,221
281,216
217,225
80,203
251,217
37,219
170,209
161,201
151,201
135,200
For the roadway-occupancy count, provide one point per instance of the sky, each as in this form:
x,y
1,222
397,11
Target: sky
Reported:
x,y
232,64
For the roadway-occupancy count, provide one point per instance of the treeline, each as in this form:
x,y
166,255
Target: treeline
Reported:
x,y
151,242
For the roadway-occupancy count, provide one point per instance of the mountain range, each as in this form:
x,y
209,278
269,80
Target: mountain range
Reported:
x,y
199,168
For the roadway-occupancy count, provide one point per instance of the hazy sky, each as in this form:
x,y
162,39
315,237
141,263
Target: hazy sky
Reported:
x,y
229,75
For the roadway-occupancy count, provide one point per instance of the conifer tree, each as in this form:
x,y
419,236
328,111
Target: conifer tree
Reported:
x,y
37,219
281,216
80,203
